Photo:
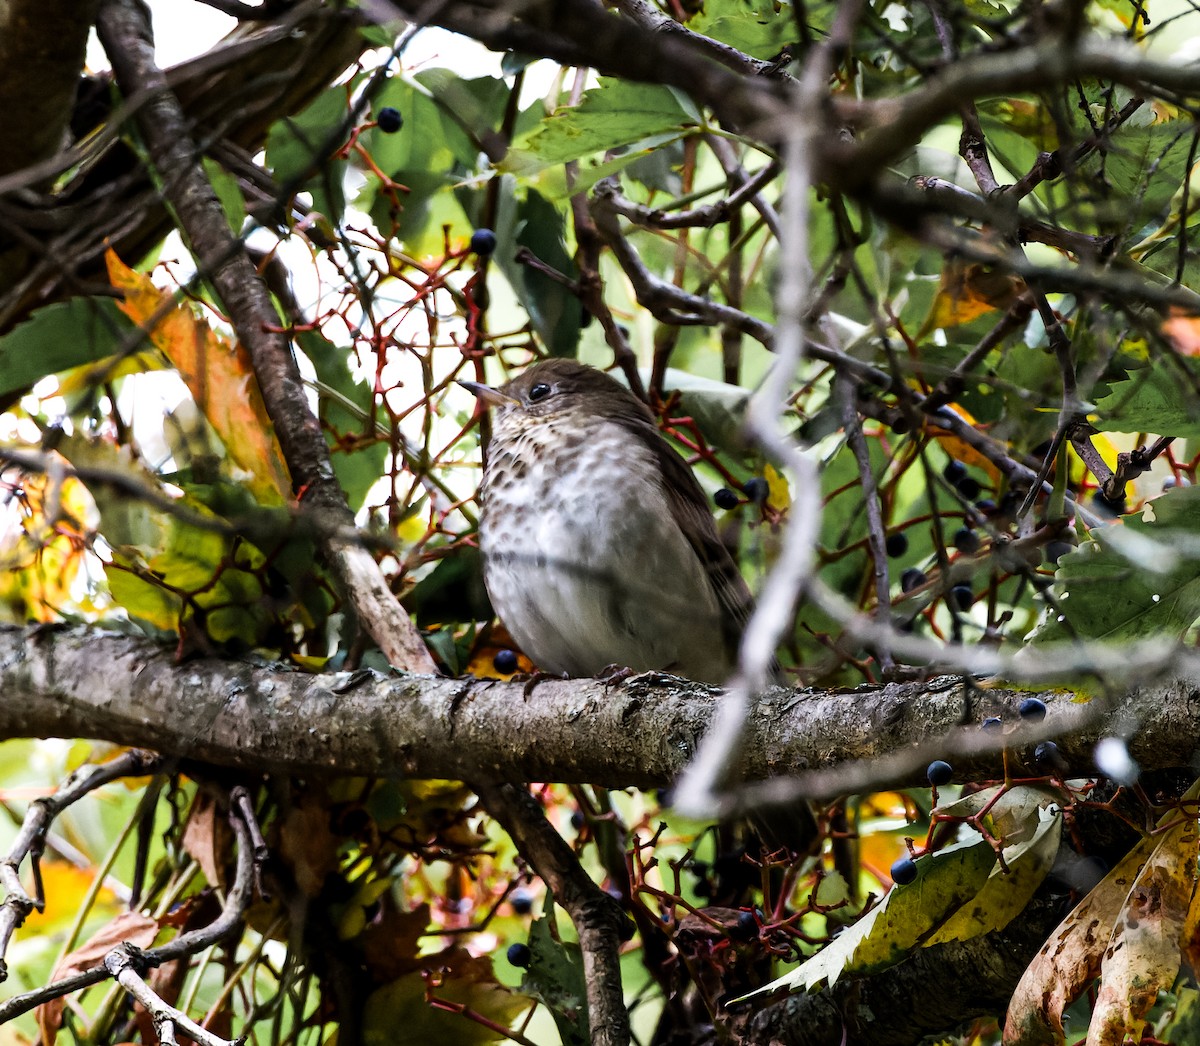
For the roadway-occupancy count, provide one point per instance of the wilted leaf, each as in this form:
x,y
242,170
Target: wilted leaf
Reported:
x,y
1076,952
207,838
1143,954
307,844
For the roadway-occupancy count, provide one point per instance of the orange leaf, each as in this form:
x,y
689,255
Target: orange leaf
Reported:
x,y
1183,332
968,291
219,376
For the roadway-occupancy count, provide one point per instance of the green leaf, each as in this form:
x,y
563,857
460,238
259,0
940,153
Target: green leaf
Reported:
x,y
295,151
357,470
612,115
759,28
229,193
1029,853
1136,579
906,917
555,978
1159,398
553,308
58,337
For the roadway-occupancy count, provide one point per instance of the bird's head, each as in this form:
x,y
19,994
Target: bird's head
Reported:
x,y
556,389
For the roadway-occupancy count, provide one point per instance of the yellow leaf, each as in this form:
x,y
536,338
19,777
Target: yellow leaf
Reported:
x,y
968,291
219,376
779,496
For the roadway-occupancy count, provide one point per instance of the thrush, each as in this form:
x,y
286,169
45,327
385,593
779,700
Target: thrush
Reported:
x,y
598,545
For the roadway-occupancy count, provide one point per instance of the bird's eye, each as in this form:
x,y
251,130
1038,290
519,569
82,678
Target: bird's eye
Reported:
x,y
539,392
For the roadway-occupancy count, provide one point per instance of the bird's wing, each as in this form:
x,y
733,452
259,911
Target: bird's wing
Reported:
x,y
690,508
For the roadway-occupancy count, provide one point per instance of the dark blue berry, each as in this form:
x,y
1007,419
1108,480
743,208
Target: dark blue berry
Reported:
x,y
746,927
1109,506
939,773
521,900
912,578
961,597
986,506
505,662
969,487
896,545
955,472
389,120
520,955
993,722
577,819
904,871
726,498
1056,550
756,489
483,242
966,540
1033,709
1047,756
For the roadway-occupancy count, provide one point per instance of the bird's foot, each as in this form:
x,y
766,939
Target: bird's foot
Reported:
x,y
539,677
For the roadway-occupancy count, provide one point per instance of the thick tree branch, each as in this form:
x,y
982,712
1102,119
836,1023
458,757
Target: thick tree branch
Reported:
x,y
82,683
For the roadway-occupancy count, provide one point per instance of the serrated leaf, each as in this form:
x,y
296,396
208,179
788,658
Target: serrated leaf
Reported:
x,y
1009,888
615,114
905,918
1160,397
556,979
59,337
1139,578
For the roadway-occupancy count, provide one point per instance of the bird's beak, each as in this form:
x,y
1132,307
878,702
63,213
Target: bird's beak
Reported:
x,y
486,394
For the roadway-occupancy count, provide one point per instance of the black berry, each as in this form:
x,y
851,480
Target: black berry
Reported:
x,y
1056,550
969,488
577,819
483,242
389,120
904,871
939,772
961,597
1033,709
505,662
1047,756
521,901
726,498
756,489
1109,506
966,540
520,955
746,927
896,545
912,578
901,424
955,472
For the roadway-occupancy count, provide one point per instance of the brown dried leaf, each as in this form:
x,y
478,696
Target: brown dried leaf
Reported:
x,y
131,927
1070,960
968,291
1143,954
307,845
208,839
